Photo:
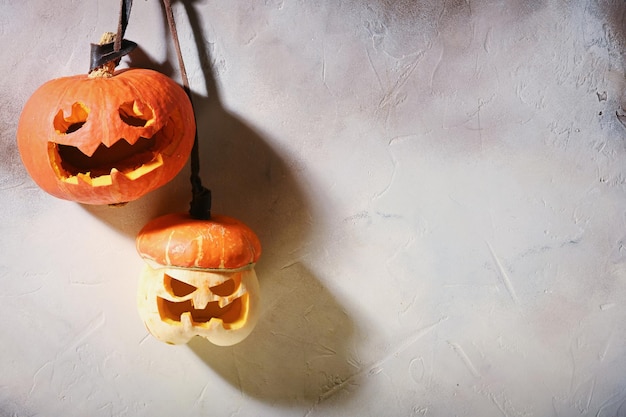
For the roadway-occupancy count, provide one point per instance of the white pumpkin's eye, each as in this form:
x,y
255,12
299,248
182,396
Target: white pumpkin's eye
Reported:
x,y
177,288
227,287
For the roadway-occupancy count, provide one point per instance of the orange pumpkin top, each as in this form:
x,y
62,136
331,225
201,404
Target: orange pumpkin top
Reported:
x,y
181,241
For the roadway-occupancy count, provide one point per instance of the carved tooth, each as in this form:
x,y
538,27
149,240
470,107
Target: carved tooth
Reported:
x,y
86,178
200,300
215,322
146,168
88,148
185,320
71,180
102,180
115,175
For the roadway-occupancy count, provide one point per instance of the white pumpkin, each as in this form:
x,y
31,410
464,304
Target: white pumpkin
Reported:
x,y
199,279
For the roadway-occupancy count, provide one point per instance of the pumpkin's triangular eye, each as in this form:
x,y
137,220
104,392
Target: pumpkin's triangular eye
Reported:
x,y
135,113
77,118
227,287
177,288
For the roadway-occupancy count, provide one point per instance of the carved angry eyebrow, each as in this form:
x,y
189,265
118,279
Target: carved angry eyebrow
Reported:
x,y
177,288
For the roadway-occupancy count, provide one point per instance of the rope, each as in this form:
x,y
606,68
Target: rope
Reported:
x,y
113,51
200,206
125,6
101,54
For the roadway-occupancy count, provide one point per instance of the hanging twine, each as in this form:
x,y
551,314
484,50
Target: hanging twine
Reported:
x,y
112,50
200,206
107,54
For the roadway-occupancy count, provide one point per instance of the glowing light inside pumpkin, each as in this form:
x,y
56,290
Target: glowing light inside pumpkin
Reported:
x,y
77,118
106,140
199,278
102,166
177,304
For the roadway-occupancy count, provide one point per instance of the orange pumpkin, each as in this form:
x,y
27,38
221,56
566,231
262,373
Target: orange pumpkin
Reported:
x,y
199,279
106,139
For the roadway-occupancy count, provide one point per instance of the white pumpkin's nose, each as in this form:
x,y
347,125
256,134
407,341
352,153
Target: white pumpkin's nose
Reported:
x,y
201,298
186,321
204,296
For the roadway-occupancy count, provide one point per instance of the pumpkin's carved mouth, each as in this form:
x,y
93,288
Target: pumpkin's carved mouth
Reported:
x,y
228,303
229,315
106,163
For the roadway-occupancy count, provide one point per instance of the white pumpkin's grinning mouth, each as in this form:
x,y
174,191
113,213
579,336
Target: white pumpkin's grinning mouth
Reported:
x,y
229,314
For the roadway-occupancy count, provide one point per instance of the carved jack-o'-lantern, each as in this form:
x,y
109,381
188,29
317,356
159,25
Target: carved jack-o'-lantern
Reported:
x,y
106,139
199,279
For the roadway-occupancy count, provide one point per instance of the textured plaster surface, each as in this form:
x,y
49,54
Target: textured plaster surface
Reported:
x,y
439,187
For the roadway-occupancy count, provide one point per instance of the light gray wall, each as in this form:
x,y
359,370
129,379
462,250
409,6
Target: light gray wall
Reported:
x,y
439,188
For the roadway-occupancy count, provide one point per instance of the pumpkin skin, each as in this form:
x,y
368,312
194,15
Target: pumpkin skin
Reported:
x,y
199,279
106,140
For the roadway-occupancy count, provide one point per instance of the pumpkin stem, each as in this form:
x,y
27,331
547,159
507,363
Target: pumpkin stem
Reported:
x,y
108,68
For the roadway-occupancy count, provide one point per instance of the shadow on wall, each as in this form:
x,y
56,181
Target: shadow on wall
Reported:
x,y
616,34
247,177
298,351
